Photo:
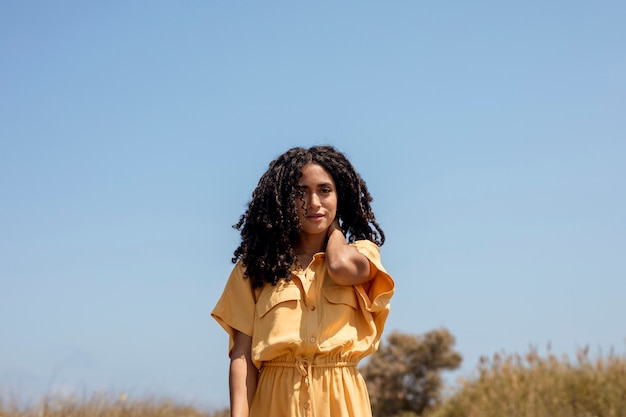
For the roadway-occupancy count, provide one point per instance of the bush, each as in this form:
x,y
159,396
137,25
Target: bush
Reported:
x,y
404,376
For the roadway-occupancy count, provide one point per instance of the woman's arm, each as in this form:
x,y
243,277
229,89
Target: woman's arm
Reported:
x,y
346,266
243,376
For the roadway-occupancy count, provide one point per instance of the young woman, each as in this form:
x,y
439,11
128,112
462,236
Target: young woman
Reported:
x,y
308,296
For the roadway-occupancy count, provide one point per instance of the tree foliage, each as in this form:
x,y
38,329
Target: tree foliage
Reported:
x,y
404,376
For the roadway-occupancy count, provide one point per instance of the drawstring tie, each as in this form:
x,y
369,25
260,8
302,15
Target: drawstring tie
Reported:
x,y
304,367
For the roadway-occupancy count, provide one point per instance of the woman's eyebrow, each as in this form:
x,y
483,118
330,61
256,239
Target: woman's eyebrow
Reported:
x,y
321,184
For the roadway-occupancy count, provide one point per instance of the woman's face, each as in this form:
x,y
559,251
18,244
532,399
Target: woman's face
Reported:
x,y
318,207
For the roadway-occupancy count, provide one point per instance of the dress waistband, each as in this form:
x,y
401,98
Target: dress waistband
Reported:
x,y
304,365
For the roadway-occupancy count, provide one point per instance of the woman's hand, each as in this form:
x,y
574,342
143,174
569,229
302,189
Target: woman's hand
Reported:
x,y
334,226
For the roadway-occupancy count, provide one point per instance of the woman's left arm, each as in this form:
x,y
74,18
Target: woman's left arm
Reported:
x,y
346,266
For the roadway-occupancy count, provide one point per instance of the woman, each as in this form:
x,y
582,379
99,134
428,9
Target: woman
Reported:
x,y
308,297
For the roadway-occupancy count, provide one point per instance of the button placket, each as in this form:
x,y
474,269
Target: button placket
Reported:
x,y
311,316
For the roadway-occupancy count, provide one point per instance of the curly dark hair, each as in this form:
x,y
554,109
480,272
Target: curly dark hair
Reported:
x,y
270,227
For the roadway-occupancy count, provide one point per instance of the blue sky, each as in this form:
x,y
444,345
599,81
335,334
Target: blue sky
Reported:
x,y
492,136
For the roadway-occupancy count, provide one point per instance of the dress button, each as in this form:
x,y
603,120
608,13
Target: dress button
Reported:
x,y
306,406
312,308
312,340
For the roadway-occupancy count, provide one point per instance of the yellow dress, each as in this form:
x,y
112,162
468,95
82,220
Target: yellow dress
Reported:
x,y
308,335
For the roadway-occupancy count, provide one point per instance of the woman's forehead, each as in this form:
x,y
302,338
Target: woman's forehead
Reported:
x,y
315,173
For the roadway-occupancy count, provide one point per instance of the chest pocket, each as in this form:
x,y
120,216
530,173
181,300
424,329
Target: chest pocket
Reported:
x,y
278,318
341,317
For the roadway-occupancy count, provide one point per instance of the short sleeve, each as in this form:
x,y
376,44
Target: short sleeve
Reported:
x,y
235,308
381,287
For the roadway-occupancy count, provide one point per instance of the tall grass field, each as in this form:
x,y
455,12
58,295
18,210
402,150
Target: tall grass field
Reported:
x,y
102,405
504,386
535,386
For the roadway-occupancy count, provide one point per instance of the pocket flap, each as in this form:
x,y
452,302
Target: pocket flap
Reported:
x,y
340,294
275,296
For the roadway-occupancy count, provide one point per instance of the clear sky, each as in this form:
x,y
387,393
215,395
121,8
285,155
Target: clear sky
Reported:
x,y
492,136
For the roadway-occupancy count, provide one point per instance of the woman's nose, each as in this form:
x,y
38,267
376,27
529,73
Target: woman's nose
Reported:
x,y
314,200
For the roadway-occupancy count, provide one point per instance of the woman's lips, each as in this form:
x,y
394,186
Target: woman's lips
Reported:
x,y
315,217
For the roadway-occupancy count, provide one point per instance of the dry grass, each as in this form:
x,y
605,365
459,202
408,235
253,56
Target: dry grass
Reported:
x,y
102,405
535,386
504,386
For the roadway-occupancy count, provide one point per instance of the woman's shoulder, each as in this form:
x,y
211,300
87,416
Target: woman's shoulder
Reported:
x,y
238,271
237,280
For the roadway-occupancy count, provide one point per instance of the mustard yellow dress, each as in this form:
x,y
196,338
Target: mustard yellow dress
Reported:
x,y
308,335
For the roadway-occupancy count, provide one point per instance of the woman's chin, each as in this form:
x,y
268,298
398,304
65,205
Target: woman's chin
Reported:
x,y
313,230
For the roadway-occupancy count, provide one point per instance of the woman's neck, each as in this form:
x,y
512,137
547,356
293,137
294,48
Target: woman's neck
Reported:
x,y
310,245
